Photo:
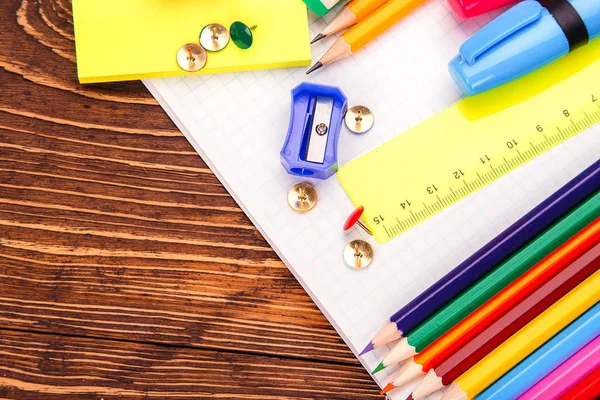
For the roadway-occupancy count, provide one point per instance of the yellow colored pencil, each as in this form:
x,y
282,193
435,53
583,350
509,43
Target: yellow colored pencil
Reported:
x,y
368,29
526,341
354,12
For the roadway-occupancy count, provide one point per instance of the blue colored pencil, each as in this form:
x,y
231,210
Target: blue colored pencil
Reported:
x,y
488,257
547,358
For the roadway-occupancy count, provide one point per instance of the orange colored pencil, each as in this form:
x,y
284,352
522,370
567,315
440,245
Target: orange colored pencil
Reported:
x,y
365,31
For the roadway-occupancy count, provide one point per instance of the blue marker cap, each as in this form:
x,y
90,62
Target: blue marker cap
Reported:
x,y
310,148
523,39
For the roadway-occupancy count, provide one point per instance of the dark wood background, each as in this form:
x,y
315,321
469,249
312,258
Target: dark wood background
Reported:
x,y
126,269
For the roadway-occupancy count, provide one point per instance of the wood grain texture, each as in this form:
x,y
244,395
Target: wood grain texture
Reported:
x,y
112,227
37,366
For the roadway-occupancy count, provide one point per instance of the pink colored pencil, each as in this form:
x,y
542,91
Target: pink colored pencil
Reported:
x,y
567,375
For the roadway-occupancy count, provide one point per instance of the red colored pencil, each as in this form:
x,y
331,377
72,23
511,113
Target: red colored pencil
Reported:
x,y
587,389
516,295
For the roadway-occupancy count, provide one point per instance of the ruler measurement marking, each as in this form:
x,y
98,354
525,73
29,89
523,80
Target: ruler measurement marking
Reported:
x,y
537,145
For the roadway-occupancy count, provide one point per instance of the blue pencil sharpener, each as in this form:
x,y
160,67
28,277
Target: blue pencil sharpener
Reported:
x,y
310,148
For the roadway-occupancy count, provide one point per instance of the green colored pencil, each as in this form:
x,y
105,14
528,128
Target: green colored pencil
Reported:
x,y
488,286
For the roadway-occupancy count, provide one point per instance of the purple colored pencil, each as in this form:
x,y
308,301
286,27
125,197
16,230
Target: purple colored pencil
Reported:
x,y
489,256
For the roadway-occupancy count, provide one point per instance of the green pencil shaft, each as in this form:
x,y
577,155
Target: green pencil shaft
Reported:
x,y
509,270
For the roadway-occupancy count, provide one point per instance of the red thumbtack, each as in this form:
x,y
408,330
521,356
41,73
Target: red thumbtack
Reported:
x,y
354,219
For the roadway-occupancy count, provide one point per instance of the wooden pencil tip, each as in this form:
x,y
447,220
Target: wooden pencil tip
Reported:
x,y
390,386
367,349
314,67
320,36
379,368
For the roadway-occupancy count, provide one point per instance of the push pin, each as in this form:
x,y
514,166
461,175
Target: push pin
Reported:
x,y
214,37
191,57
241,34
359,119
354,219
310,148
358,254
302,197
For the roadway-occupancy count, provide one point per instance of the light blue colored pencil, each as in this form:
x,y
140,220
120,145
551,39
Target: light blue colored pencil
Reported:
x,y
547,358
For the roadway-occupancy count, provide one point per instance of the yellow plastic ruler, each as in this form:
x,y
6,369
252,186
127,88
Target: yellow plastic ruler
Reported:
x,y
473,143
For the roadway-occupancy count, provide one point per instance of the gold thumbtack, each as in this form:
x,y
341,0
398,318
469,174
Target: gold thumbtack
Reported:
x,y
302,197
359,119
191,57
214,37
358,254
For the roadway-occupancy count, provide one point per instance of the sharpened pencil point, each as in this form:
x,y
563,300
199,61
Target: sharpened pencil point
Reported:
x,y
390,386
320,36
379,368
367,349
314,67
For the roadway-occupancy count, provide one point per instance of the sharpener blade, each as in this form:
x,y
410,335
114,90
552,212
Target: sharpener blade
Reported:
x,y
319,132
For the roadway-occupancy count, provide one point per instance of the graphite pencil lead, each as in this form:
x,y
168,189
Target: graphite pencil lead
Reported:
x,y
320,36
314,67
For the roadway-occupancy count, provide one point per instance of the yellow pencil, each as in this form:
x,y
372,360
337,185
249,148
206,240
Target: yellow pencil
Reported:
x,y
526,341
354,12
368,29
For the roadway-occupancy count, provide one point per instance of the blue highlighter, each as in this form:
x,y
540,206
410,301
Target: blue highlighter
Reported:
x,y
310,148
523,39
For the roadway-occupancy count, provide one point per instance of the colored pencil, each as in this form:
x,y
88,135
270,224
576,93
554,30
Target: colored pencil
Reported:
x,y
547,358
587,389
526,341
495,333
516,265
566,376
354,12
488,257
368,29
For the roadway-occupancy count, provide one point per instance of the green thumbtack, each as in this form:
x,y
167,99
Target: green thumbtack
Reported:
x,y
241,35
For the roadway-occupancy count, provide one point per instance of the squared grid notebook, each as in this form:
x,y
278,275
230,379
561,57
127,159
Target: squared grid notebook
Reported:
x,y
237,122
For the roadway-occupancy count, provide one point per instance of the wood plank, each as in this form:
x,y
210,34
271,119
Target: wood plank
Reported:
x,y
111,226
34,366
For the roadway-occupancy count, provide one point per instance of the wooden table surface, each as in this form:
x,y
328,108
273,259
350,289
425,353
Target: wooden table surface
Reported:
x,y
126,269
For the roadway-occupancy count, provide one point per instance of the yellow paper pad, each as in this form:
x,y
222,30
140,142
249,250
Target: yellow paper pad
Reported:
x,y
473,143
120,40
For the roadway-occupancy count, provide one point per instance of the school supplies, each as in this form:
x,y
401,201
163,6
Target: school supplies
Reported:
x,y
311,144
320,7
473,8
527,340
587,389
448,157
489,256
548,357
465,353
124,40
354,12
240,137
521,265
567,375
368,29
525,37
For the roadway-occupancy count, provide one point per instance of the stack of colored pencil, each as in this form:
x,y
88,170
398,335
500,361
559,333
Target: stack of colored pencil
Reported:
x,y
520,318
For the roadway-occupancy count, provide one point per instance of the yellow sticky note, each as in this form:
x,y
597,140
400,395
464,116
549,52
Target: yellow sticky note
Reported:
x,y
120,40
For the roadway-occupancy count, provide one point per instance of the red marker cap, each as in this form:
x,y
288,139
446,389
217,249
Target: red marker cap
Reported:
x,y
353,218
472,8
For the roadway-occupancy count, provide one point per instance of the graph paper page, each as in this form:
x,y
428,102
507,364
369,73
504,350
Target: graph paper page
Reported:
x,y
238,122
